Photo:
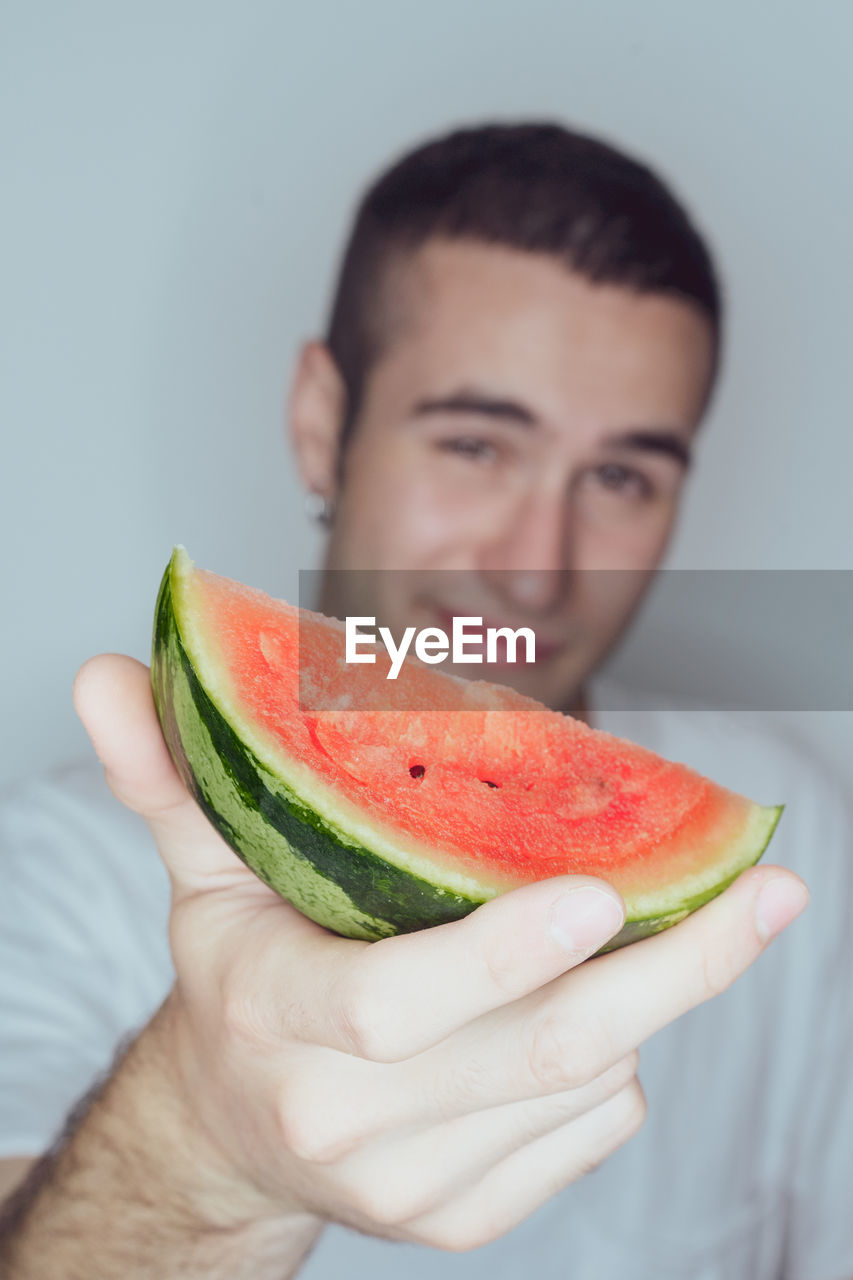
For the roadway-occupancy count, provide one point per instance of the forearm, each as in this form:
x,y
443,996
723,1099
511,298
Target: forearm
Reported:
x,y
134,1190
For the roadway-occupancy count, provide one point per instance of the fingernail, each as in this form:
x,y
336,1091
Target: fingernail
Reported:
x,y
780,901
584,918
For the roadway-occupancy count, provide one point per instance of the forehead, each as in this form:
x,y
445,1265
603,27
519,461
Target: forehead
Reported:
x,y
524,325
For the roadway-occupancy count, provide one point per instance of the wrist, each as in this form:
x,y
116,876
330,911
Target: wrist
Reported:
x,y
158,1094
136,1189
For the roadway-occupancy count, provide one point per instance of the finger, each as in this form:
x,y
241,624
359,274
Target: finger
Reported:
x,y
395,998
517,1186
580,1025
408,1175
113,698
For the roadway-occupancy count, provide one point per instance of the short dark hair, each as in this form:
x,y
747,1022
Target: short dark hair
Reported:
x,y
536,187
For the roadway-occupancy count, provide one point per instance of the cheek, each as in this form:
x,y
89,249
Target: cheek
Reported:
x,y
633,541
617,560
393,513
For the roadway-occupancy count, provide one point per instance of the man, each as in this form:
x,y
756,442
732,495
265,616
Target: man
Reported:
x,y
523,341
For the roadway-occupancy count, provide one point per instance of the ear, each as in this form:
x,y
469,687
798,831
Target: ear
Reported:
x,y
316,408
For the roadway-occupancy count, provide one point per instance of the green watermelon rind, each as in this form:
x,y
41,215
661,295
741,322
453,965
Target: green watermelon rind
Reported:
x,y
334,880
303,854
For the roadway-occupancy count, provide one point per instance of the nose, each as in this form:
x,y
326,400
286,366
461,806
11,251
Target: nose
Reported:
x,y
528,560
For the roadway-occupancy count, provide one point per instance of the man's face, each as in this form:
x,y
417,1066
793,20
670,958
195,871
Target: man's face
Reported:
x,y
523,428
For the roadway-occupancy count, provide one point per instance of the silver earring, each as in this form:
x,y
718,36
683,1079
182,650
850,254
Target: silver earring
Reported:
x,y
320,508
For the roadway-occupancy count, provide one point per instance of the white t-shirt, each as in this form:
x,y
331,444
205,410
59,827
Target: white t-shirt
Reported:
x,y
744,1167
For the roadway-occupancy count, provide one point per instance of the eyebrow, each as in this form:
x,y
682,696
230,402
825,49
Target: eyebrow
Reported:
x,y
478,403
648,440
660,440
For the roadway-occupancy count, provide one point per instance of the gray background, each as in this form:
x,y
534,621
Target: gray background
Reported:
x,y
177,178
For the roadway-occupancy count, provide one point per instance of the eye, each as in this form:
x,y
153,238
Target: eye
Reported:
x,y
615,478
473,447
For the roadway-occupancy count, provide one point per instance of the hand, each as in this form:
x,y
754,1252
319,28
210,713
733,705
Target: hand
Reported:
x,y
433,1087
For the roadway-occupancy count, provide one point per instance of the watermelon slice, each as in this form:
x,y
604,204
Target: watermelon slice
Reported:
x,y
387,819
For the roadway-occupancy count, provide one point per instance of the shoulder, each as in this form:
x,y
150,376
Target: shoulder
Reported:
x,y
75,791
84,954
69,849
759,755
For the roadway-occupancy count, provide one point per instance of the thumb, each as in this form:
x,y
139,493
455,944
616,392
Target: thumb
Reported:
x,y
113,698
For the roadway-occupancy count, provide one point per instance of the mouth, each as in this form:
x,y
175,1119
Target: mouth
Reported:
x,y
547,647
